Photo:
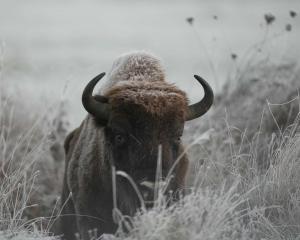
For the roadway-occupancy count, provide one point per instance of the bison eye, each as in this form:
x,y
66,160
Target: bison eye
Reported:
x,y
177,140
119,139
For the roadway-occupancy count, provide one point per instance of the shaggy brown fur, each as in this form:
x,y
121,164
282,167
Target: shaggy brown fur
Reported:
x,y
157,98
134,67
145,112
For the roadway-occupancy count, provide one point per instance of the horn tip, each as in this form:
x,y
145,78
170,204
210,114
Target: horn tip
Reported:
x,y
200,79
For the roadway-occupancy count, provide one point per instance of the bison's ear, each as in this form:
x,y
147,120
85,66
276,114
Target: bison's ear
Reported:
x,y
101,99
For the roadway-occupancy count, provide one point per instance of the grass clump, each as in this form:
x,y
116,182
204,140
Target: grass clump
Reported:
x,y
202,214
29,169
253,134
244,172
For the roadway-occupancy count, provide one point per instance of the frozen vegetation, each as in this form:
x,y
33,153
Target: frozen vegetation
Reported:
x,y
244,176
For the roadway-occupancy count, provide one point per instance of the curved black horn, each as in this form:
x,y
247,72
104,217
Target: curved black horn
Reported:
x,y
198,109
98,107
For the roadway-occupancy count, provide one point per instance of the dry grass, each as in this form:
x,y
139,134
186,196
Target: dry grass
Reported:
x,y
29,169
243,182
244,178
245,170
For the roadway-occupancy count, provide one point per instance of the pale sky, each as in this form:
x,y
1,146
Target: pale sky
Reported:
x,y
47,45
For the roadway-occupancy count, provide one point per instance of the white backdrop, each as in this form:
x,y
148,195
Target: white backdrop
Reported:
x,y
47,45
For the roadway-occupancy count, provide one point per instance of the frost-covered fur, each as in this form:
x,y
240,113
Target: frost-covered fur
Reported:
x,y
134,66
131,81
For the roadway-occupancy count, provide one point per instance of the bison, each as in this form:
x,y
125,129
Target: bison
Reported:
x,y
137,112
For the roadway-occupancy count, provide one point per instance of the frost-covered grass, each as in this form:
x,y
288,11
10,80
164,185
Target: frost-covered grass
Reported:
x,y
243,182
29,173
244,179
202,214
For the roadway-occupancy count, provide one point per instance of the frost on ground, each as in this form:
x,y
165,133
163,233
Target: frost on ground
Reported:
x,y
244,180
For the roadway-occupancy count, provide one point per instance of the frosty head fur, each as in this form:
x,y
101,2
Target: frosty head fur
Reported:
x,y
139,78
134,66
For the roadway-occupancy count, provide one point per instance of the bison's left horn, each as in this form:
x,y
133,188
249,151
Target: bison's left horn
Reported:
x,y
95,105
198,109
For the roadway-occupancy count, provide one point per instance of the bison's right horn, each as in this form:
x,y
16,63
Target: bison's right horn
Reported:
x,y
95,105
198,109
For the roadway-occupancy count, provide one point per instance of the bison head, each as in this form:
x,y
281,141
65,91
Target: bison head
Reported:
x,y
138,117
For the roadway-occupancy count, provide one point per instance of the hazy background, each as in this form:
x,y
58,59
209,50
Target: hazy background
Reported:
x,y
53,48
